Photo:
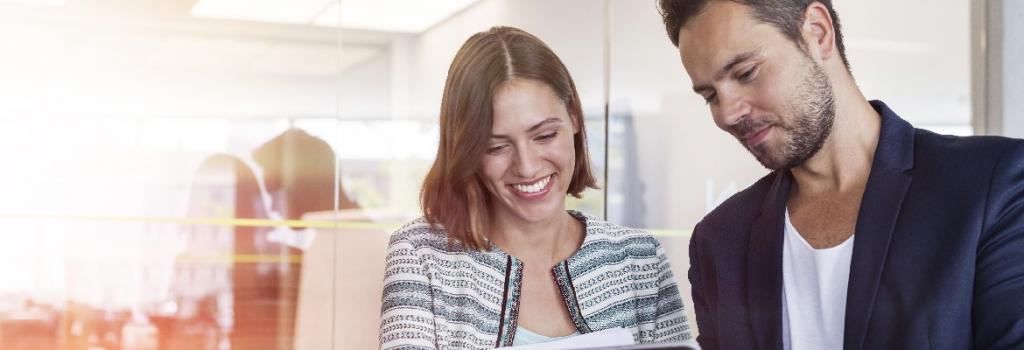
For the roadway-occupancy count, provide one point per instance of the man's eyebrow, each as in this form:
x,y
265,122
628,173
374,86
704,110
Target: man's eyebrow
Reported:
x,y
736,60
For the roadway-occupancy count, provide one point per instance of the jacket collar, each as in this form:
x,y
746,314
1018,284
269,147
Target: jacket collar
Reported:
x,y
886,188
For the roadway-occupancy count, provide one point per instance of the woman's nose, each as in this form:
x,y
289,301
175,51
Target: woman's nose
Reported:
x,y
527,163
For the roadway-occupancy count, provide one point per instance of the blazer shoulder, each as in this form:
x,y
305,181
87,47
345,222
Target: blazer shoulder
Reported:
x,y
972,149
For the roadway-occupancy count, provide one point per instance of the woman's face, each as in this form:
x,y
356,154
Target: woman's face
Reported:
x,y
529,162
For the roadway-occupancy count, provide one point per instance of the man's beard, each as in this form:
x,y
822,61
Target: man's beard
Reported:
x,y
811,112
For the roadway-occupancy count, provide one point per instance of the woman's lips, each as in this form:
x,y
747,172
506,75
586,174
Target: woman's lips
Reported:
x,y
534,190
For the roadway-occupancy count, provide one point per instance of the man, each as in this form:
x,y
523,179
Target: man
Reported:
x,y
868,233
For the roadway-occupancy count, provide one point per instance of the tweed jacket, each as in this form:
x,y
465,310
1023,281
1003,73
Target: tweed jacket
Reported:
x,y
440,295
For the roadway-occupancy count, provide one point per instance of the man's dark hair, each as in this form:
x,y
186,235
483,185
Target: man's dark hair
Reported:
x,y
785,15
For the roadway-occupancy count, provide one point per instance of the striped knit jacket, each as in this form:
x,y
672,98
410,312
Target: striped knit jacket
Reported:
x,y
441,296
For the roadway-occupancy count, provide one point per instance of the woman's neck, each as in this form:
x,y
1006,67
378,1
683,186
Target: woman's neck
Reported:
x,y
544,242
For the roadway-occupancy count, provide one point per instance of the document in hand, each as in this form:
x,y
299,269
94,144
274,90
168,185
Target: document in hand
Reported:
x,y
604,338
608,339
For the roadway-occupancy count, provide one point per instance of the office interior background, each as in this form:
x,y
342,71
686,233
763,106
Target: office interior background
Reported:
x,y
224,174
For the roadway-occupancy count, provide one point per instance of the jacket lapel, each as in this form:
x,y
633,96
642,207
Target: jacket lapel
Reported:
x,y
880,208
764,266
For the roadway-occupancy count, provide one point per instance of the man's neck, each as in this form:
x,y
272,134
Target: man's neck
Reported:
x,y
844,160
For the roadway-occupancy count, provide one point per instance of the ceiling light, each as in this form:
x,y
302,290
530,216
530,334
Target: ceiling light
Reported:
x,y
36,2
408,16
292,11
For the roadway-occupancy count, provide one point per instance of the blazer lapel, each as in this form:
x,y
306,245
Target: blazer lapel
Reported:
x,y
879,210
764,266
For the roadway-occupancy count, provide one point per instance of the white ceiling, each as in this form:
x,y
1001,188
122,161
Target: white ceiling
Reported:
x,y
294,42
404,16
95,58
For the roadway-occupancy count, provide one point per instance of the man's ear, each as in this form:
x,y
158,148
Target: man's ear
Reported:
x,y
818,32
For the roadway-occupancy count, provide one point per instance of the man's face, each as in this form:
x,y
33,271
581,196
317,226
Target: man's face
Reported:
x,y
761,88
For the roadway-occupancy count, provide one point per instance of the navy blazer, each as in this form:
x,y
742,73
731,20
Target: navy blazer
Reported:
x,y
938,262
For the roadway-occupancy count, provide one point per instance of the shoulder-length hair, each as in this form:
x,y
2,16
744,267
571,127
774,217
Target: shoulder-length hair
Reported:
x,y
453,194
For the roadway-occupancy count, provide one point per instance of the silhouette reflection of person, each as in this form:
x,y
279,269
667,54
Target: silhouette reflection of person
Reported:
x,y
299,173
235,281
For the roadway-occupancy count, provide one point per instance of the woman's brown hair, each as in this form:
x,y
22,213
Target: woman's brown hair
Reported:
x,y
453,195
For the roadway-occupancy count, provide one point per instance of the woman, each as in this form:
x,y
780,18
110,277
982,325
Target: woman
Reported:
x,y
497,260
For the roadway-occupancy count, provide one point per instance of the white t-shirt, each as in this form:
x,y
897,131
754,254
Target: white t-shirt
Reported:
x,y
814,292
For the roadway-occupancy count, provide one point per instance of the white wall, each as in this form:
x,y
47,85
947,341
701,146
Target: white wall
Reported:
x,y
683,155
364,90
915,56
1011,45
573,29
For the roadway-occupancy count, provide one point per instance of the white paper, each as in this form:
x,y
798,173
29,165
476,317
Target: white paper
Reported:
x,y
604,338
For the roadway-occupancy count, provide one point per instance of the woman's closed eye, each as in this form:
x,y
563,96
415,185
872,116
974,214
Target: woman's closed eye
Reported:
x,y
497,149
547,137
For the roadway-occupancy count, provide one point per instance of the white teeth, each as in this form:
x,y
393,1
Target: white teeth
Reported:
x,y
533,188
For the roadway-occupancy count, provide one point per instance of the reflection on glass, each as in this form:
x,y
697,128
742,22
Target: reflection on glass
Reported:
x,y
153,151
198,311
298,170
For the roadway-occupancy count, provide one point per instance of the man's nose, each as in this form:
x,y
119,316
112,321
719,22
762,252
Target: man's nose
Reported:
x,y
732,109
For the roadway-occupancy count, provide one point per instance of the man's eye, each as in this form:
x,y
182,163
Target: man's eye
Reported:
x,y
748,75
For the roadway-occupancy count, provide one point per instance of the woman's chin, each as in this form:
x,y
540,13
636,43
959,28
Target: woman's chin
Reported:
x,y
540,212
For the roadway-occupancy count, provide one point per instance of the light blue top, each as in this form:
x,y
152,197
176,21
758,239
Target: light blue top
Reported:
x,y
525,337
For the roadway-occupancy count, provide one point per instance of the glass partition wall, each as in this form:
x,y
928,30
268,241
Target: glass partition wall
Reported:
x,y
224,174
